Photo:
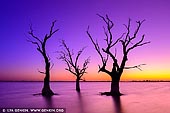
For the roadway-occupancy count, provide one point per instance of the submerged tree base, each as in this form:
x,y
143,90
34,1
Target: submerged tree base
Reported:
x,y
47,92
40,94
78,90
111,94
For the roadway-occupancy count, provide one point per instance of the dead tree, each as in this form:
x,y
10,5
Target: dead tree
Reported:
x,y
41,47
66,55
128,41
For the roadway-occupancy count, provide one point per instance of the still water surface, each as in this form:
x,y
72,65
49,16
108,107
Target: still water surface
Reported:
x,y
139,97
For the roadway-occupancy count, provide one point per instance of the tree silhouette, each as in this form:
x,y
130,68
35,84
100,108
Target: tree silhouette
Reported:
x,y
41,47
66,55
128,40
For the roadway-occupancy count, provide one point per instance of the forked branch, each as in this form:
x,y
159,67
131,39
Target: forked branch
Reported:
x,y
72,65
41,43
96,45
128,43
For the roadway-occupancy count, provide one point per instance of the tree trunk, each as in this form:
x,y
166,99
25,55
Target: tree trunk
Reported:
x,y
115,85
78,85
114,91
46,91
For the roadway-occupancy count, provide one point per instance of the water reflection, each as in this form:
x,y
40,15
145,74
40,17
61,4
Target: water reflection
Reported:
x,y
117,104
86,104
81,103
48,101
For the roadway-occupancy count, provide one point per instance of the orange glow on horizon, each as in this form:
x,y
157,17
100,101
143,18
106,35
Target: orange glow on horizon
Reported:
x,y
147,73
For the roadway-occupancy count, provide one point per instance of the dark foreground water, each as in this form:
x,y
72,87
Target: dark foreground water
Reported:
x,y
140,97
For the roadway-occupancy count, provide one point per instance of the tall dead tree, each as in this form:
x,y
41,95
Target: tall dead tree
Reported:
x,y
128,40
41,47
66,55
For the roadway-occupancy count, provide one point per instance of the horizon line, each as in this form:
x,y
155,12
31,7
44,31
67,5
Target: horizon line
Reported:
x,y
88,81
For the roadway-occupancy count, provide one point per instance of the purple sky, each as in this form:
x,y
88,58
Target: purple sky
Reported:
x,y
19,59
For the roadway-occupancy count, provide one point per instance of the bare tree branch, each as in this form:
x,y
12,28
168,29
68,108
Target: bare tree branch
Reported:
x,y
32,34
139,43
78,55
72,66
128,39
52,66
128,43
41,72
83,70
41,44
36,43
137,66
96,45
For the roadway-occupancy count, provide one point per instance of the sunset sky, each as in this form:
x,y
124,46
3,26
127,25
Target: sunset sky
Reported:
x,y
19,60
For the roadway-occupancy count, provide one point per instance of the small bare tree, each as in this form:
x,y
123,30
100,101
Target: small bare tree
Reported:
x,y
41,47
128,43
66,55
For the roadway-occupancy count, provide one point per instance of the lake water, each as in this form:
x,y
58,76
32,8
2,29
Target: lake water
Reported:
x,y
139,97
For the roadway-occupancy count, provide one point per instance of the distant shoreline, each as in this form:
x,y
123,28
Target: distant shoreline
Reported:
x,y
94,81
